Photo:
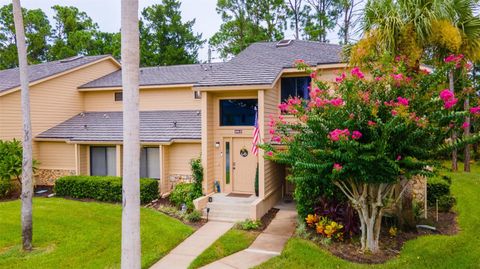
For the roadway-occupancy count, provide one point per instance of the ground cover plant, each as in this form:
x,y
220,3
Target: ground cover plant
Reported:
x,y
74,234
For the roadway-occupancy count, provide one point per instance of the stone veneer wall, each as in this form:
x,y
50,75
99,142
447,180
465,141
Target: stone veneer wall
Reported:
x,y
173,180
419,189
49,176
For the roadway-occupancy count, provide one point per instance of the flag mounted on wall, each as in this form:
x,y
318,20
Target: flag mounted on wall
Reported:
x,y
256,134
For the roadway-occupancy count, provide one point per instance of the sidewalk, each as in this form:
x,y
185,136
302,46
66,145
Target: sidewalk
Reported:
x,y
268,244
181,256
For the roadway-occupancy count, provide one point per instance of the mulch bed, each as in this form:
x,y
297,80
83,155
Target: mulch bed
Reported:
x,y
15,194
267,218
390,247
159,203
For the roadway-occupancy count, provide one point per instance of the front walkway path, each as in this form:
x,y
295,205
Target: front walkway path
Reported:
x,y
267,245
181,256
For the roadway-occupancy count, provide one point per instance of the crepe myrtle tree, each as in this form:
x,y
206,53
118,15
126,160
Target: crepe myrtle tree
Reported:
x,y
365,135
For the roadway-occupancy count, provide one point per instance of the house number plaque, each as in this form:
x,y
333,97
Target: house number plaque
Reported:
x,y
244,152
238,131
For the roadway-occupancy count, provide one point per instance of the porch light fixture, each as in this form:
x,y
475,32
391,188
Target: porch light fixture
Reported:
x,y
217,144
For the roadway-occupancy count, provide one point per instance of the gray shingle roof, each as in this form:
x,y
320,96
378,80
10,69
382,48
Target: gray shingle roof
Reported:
x,y
159,75
155,126
261,63
10,78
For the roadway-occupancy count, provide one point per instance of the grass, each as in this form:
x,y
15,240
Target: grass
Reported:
x,y
232,241
434,251
73,234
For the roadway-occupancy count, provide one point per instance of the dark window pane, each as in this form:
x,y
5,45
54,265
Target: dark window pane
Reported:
x,y
103,161
295,87
150,163
237,112
118,96
227,162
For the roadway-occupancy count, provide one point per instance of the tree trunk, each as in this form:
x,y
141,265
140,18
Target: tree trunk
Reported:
x,y
368,200
454,133
466,133
131,245
27,160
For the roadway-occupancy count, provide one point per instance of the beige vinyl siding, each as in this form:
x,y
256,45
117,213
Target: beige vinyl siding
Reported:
x,y
150,99
207,141
52,101
56,155
179,156
83,159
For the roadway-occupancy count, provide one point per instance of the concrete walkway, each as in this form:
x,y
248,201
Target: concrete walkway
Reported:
x,y
268,244
181,256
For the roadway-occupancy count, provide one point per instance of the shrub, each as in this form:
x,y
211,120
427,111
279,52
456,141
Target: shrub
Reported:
x,y
340,212
11,160
248,225
6,187
181,194
107,189
197,174
438,188
194,216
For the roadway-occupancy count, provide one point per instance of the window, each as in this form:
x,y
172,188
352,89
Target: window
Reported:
x,y
150,163
103,161
197,95
237,112
118,96
227,162
295,87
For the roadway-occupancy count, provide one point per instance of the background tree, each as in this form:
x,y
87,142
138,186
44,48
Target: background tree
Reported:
x,y
131,244
73,33
347,19
246,22
37,32
27,162
298,13
323,18
165,39
105,43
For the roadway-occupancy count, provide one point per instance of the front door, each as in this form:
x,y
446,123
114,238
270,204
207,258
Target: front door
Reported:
x,y
244,165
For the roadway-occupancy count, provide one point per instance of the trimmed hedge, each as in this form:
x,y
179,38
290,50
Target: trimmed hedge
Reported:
x,y
107,189
182,194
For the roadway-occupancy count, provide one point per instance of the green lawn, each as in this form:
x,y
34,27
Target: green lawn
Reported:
x,y
435,251
232,241
72,234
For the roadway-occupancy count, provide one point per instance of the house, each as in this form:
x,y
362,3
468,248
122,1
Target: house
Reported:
x,y
187,111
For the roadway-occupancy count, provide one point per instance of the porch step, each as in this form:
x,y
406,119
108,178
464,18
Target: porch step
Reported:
x,y
228,208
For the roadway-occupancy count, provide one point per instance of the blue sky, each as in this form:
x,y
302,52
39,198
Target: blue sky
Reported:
x,y
107,14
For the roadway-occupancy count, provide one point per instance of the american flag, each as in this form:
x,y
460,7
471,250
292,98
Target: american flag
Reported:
x,y
256,135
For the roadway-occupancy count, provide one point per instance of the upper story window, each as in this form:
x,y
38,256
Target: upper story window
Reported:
x,y
118,96
295,87
238,112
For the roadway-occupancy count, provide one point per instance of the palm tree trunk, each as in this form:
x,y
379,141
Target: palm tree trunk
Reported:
x,y
131,245
466,133
454,133
27,161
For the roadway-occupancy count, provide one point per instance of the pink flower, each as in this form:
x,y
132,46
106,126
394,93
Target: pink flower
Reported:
x,y
336,102
304,118
402,101
371,123
446,95
357,73
338,134
453,58
475,110
283,106
271,131
351,116
449,104
399,157
394,113
313,74
314,93
397,76
465,125
299,61
340,78
356,135
276,139
270,153
337,167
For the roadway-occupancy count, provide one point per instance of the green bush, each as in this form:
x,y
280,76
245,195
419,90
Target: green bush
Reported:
x,y
182,194
6,187
249,224
197,174
194,216
438,188
107,189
